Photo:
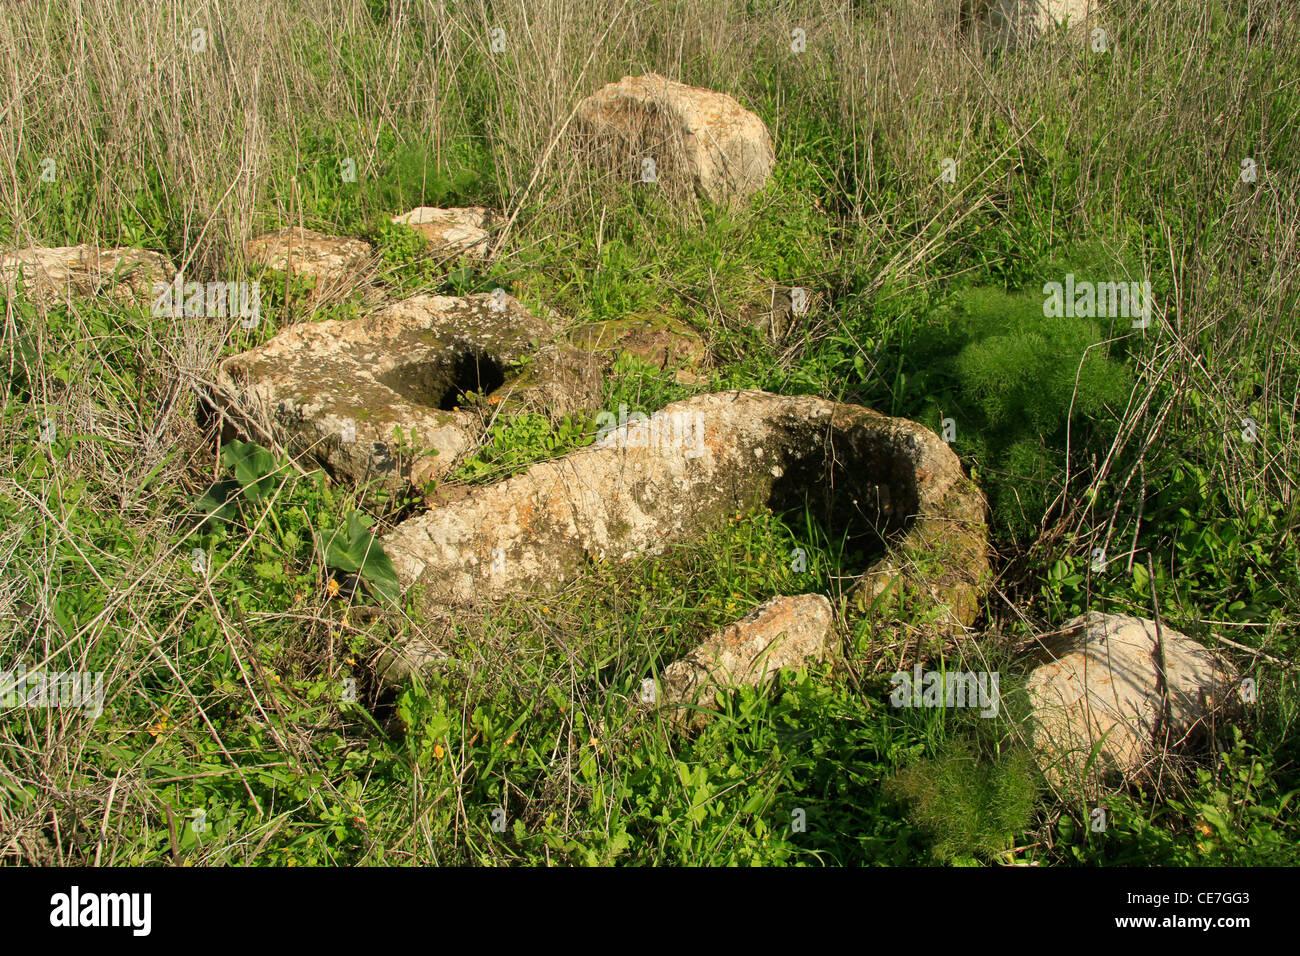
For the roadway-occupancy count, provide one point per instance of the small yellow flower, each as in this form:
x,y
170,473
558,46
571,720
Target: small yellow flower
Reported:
x,y
275,678
593,742
332,588
438,752
160,726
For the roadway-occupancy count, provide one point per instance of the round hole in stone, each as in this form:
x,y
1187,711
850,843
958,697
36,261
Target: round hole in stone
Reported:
x,y
855,484
439,383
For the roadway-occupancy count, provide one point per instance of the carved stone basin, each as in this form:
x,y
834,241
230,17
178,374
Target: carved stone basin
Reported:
x,y
891,484
379,398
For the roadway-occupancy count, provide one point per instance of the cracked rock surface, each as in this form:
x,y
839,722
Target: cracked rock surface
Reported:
x,y
334,263
452,231
53,273
648,484
380,398
1102,683
696,138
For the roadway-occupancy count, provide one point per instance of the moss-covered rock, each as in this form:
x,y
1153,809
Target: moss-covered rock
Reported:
x,y
382,398
658,339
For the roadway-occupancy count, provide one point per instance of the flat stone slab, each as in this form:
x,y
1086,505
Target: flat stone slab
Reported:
x,y
342,390
649,484
1100,684
658,339
694,138
782,632
51,274
455,231
332,262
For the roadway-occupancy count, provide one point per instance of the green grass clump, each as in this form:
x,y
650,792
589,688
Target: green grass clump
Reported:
x,y
1020,388
972,807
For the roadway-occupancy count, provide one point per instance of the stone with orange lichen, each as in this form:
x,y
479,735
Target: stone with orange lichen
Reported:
x,y
334,263
782,632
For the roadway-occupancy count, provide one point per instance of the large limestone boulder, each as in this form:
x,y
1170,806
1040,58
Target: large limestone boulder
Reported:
x,y
1014,24
692,137
452,232
1101,683
51,274
782,632
380,398
647,484
333,263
